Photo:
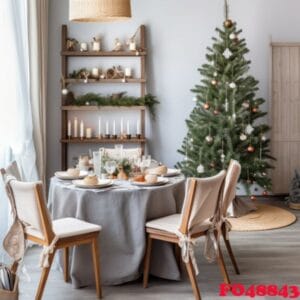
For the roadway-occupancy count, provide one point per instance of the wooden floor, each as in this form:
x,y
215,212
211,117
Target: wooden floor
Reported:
x,y
265,257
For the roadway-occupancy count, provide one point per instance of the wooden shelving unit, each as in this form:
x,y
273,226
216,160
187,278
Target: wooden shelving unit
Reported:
x,y
65,109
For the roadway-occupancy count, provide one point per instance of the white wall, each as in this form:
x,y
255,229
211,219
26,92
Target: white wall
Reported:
x,y
178,34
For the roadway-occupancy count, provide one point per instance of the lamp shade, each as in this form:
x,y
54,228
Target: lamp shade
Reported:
x,y
99,10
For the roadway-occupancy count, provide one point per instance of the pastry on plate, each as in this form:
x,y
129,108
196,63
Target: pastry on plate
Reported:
x,y
151,178
139,178
159,171
91,180
73,172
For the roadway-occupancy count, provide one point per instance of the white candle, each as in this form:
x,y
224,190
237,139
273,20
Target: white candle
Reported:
x,y
95,72
69,128
114,127
132,46
122,129
99,128
128,72
96,46
138,129
83,47
107,130
81,129
75,127
128,129
88,133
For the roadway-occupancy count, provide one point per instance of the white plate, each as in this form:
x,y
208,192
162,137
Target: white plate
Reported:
x,y
160,181
172,172
102,183
65,176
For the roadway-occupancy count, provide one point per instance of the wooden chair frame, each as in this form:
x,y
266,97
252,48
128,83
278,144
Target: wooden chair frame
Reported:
x,y
172,238
62,243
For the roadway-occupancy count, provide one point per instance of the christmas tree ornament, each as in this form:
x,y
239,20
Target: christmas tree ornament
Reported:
x,y
195,99
233,36
87,103
234,117
227,53
243,137
249,129
250,149
228,23
263,138
65,91
209,139
216,112
246,104
191,140
263,174
212,165
222,157
200,169
215,74
265,193
254,109
232,85
214,82
226,105
253,198
206,106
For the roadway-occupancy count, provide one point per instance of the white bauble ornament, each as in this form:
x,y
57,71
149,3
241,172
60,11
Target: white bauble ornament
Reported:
x,y
209,138
232,85
227,53
246,104
222,157
215,74
234,117
65,91
263,138
243,137
249,129
191,140
200,169
195,99
232,36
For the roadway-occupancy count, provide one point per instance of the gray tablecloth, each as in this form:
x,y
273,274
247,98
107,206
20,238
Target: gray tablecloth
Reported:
x,y
122,213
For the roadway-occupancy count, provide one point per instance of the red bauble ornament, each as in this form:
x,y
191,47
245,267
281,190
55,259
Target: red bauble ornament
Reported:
x,y
255,109
206,105
253,198
250,149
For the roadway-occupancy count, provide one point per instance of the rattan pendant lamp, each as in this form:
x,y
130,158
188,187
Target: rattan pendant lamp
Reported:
x,y
99,10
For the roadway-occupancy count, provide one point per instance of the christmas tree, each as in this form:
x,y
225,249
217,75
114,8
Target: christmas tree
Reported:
x,y
226,122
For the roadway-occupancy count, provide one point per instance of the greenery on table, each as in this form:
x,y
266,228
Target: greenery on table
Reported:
x,y
97,99
224,122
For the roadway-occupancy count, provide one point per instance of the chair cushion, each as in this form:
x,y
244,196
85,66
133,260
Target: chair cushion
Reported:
x,y
66,227
171,224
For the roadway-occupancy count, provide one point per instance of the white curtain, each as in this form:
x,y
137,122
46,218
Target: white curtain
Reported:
x,y
16,124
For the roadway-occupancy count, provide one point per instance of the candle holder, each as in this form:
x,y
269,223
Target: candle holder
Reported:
x,y
123,136
107,136
114,136
82,138
138,136
128,136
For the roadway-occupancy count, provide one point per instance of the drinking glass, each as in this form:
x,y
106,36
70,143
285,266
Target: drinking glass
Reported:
x,y
97,163
119,151
110,167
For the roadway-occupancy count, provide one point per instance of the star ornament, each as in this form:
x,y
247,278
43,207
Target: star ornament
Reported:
x,y
227,53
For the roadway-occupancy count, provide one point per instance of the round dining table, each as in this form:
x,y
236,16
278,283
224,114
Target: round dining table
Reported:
x,y
122,210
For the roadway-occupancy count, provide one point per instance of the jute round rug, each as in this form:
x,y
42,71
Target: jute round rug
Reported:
x,y
264,218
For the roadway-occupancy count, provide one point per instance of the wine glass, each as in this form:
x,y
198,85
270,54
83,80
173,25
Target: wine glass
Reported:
x,y
110,167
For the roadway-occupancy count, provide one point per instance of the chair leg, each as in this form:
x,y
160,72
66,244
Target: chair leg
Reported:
x,y
96,262
147,261
44,277
66,264
193,279
221,263
229,250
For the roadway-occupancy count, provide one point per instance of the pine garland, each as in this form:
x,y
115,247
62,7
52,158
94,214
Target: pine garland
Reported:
x,y
96,99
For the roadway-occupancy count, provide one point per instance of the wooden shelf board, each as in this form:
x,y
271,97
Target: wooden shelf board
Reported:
x,y
99,81
103,141
99,108
103,53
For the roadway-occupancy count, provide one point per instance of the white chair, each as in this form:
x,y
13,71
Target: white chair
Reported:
x,y
200,209
232,177
53,235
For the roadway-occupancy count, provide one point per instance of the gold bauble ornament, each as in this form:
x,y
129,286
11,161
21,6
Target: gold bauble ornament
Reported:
x,y
228,23
214,82
250,149
206,105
